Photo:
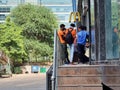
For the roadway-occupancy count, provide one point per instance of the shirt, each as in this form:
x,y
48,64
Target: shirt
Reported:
x,y
81,37
61,34
73,32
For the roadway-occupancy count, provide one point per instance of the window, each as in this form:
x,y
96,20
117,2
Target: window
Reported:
x,y
22,1
4,9
60,8
3,1
56,2
2,17
63,17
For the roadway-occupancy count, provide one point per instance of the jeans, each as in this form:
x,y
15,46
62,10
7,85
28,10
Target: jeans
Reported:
x,y
64,53
81,53
71,49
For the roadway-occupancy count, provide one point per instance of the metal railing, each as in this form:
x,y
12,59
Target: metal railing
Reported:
x,y
48,78
57,61
58,55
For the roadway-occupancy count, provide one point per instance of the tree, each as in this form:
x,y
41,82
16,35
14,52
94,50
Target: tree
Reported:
x,y
37,22
39,49
11,40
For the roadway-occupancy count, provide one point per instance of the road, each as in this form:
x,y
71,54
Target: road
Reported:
x,y
24,82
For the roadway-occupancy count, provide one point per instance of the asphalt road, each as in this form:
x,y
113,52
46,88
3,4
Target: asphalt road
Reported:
x,y
24,82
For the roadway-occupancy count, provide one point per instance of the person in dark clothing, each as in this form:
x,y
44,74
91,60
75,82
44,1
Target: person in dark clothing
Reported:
x,y
71,30
115,42
82,35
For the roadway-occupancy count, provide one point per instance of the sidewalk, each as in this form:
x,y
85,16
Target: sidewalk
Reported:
x,y
34,81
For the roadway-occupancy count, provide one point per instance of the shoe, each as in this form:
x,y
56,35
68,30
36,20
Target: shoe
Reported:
x,y
66,62
72,63
75,63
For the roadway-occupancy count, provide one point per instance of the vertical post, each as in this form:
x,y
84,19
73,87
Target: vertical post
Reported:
x,y
108,29
100,29
75,10
54,61
89,25
30,56
96,31
9,67
79,8
74,5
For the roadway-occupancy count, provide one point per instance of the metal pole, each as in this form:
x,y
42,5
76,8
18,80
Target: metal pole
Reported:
x,y
75,10
74,5
54,61
89,17
9,67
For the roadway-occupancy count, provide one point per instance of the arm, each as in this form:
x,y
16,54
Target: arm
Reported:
x,y
87,38
75,40
87,41
61,36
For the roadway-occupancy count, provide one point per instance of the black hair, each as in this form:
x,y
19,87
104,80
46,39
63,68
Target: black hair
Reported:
x,y
62,25
63,29
72,24
83,27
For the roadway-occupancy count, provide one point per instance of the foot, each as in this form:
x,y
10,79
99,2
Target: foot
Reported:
x,y
72,63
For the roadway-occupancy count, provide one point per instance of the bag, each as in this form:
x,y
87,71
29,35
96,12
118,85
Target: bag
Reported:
x,y
69,38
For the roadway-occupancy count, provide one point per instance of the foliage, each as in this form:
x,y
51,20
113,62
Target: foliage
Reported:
x,y
114,13
17,70
39,49
119,16
11,40
38,22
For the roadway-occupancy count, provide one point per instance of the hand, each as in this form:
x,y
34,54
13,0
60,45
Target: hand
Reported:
x,y
87,44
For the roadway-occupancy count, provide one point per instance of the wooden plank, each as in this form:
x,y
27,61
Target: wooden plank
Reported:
x,y
80,88
78,80
86,77
93,70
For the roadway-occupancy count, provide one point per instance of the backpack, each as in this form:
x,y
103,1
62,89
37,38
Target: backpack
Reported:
x,y
69,38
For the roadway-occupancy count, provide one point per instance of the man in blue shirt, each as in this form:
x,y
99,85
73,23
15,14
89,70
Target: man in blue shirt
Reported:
x,y
81,39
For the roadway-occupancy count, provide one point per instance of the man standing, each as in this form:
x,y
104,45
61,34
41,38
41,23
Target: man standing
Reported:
x,y
71,38
82,36
115,42
61,35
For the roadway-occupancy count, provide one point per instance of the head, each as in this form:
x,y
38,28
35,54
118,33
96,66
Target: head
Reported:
x,y
115,30
81,28
72,25
62,26
84,28
63,29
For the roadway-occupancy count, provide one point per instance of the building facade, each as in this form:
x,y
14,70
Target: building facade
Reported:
x,y
60,8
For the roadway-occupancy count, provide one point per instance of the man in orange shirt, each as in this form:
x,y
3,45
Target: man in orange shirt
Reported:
x,y
61,35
